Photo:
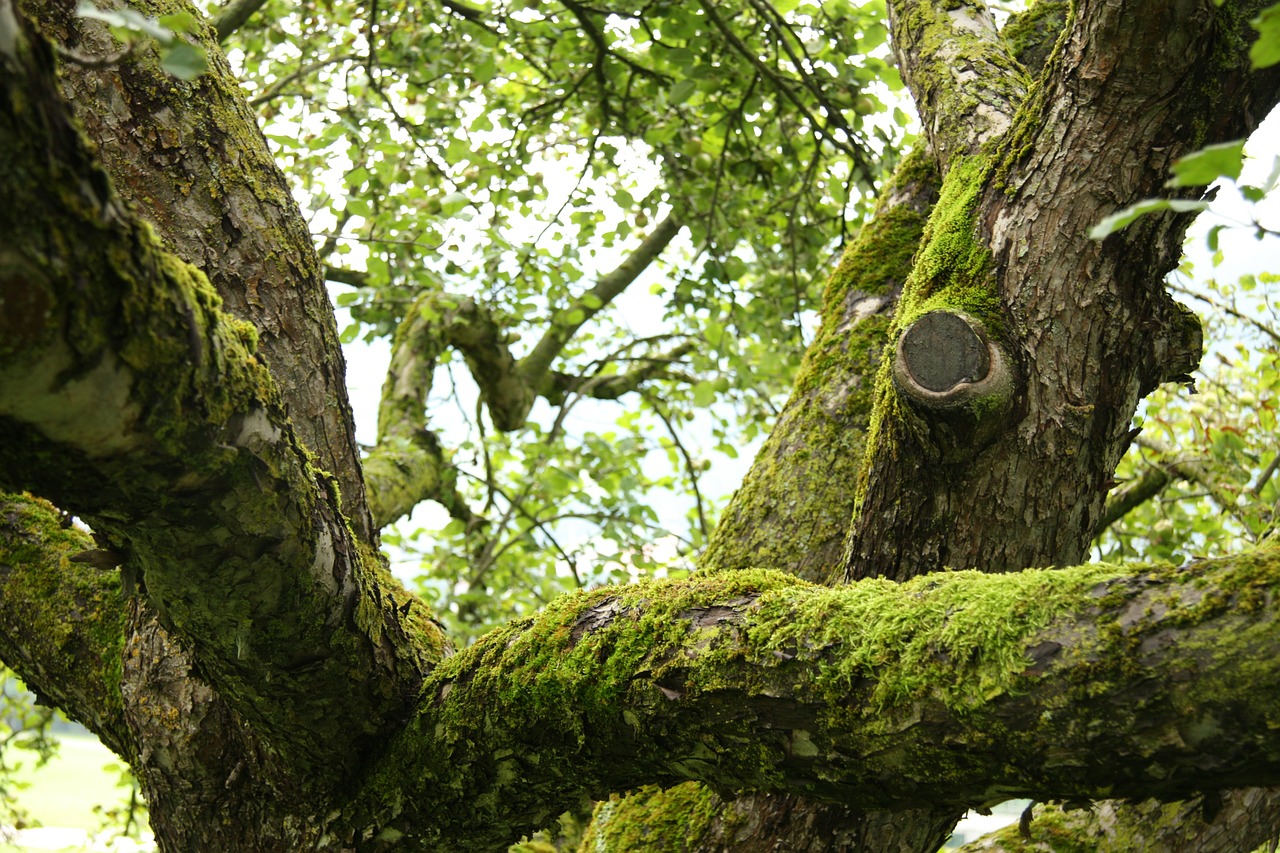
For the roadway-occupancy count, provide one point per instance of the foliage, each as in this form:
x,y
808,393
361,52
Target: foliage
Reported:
x,y
512,153
24,736
1213,450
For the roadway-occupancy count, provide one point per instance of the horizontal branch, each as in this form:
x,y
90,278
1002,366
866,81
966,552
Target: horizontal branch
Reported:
x,y
960,689
611,387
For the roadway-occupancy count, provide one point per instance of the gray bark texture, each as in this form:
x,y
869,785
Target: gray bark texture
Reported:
x,y
169,373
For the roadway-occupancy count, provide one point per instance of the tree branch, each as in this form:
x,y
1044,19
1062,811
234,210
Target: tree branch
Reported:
x,y
215,169
61,623
566,322
1133,494
1068,683
233,15
965,83
601,387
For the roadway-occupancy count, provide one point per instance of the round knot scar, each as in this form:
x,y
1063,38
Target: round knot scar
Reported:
x,y
942,350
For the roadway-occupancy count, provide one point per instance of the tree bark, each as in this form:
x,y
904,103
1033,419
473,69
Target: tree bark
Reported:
x,y
967,688
188,156
269,665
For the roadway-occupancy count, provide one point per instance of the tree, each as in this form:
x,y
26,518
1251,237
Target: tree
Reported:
x,y
170,373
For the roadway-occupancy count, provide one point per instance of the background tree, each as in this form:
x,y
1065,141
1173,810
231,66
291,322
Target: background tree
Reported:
x,y
276,689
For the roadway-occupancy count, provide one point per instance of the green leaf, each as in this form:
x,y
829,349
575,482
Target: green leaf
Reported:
x,y
179,22
1266,50
704,394
184,61
126,19
1212,237
681,91
1122,219
1208,164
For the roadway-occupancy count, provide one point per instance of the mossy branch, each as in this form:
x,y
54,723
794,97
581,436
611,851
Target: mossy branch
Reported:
x,y
1071,683
966,84
129,398
1244,819
409,465
61,622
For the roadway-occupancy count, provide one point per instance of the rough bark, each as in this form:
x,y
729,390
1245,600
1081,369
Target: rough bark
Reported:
x,y
129,397
1012,249
188,156
968,688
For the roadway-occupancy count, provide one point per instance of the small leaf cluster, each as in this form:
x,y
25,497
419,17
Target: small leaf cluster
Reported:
x,y
178,56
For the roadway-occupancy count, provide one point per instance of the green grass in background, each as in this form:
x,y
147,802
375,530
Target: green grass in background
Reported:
x,y
64,792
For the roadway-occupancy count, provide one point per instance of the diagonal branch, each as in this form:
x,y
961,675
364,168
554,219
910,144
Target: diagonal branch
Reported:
x,y
565,323
233,15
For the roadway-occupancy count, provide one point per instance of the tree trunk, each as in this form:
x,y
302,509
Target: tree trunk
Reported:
x,y
277,691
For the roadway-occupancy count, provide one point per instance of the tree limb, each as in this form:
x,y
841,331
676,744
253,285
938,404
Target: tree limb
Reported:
x,y
1068,683
611,387
212,190
965,83
127,396
61,623
233,15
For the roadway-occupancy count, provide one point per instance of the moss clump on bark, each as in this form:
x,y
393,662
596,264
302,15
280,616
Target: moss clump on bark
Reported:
x,y
653,820
70,616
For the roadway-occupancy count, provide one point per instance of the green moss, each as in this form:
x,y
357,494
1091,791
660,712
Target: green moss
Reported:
x,y
653,820
1052,829
1032,34
69,616
951,271
938,635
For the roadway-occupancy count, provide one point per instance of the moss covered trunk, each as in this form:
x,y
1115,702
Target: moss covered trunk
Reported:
x,y
239,642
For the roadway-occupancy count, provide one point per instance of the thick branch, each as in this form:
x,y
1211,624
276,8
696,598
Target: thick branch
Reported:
x,y
1071,683
965,83
566,322
61,622
130,399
